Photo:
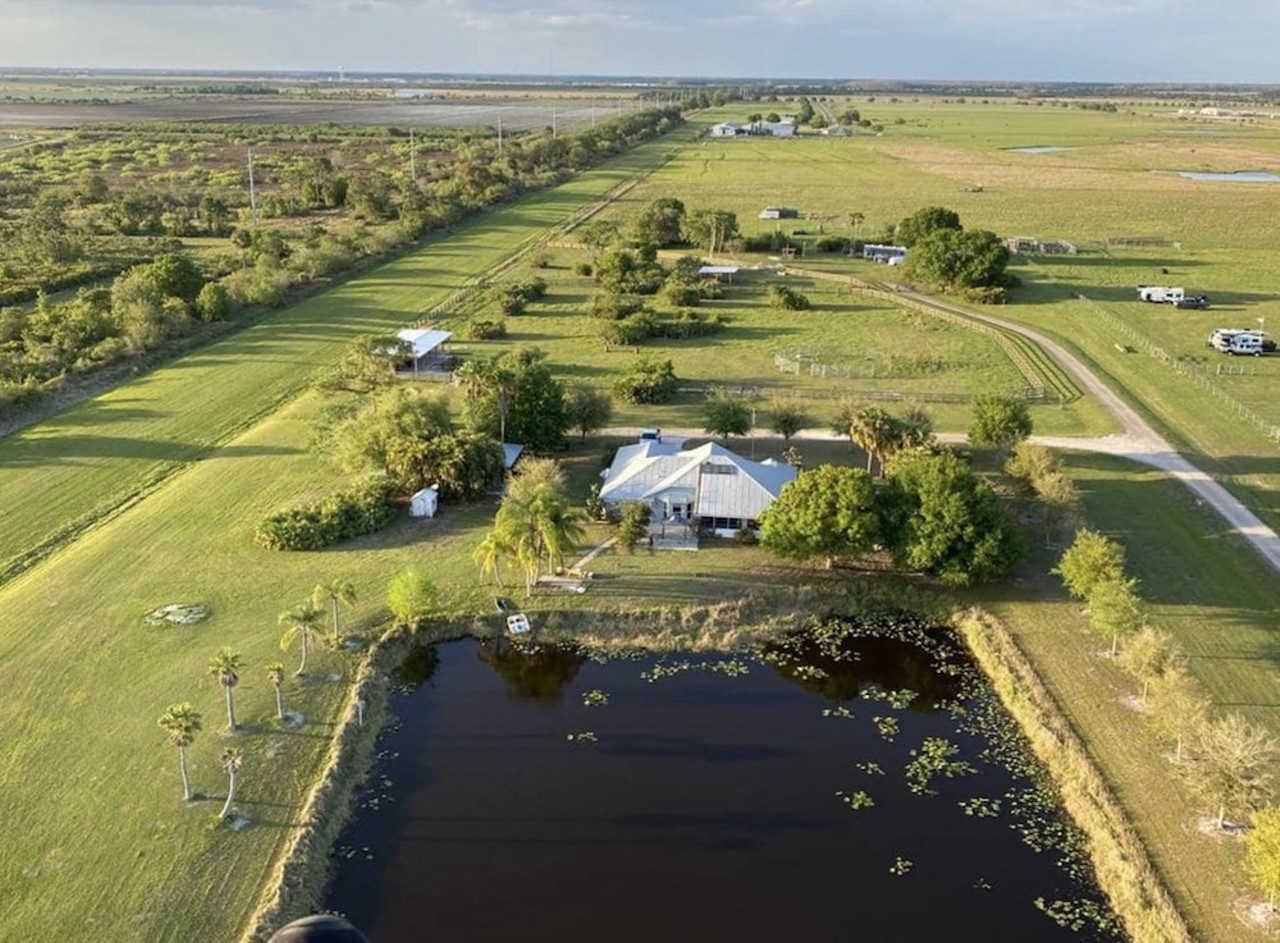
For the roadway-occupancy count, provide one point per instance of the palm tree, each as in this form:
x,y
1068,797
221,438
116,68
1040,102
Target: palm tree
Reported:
x,y
225,667
334,592
181,721
230,760
534,525
301,622
488,555
275,674
471,376
875,432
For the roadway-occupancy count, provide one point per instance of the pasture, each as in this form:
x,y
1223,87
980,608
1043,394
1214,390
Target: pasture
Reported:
x,y
869,347
149,495
1115,193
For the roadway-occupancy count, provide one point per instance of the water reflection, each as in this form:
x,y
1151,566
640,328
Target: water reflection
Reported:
x,y
418,667
532,671
842,670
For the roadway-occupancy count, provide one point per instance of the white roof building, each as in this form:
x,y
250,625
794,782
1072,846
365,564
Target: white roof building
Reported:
x,y
426,345
722,490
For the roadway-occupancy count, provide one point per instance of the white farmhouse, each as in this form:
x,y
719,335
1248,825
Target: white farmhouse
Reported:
x,y
708,487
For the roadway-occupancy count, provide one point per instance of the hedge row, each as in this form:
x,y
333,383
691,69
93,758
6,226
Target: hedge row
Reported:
x,y
360,510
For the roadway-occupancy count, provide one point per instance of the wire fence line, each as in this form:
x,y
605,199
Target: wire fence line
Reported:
x,y
1197,373
1034,376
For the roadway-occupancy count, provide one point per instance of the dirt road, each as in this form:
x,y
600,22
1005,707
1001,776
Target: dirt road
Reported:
x,y
1138,442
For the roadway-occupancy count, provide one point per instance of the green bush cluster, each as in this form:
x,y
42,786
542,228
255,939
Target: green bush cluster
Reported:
x,y
786,298
485,329
366,508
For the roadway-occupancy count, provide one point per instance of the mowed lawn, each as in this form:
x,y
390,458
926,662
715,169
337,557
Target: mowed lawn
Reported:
x,y
97,840
63,476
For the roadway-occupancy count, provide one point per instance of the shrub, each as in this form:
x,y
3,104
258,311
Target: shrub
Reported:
x,y
542,260
485,329
831,244
584,269
214,302
989,295
511,302
629,331
682,294
360,510
688,324
614,307
647,381
786,298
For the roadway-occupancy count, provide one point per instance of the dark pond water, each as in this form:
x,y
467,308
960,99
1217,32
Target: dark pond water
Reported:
x,y
708,799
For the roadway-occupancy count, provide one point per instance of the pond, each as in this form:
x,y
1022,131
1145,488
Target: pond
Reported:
x,y
844,785
1237,176
1039,149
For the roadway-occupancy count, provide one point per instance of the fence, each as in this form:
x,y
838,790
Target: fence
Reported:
x,y
1200,375
813,368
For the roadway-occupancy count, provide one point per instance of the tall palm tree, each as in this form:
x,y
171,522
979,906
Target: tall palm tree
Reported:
x,y
502,381
302,623
534,525
181,722
231,761
334,592
873,429
225,666
275,674
471,376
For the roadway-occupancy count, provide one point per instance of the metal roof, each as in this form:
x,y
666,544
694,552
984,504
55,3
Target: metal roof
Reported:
x,y
423,340
721,483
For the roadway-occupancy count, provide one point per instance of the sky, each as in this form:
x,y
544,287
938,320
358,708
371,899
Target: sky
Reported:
x,y
1045,40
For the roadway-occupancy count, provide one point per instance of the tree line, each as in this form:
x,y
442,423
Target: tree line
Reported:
x,y
143,309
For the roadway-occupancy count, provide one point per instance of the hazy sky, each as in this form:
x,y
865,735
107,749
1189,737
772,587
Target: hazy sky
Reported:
x,y
1105,40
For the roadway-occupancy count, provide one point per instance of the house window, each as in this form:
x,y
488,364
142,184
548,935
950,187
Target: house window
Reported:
x,y
717,468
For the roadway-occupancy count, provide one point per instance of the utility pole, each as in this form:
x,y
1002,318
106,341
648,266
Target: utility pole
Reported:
x,y
413,160
253,195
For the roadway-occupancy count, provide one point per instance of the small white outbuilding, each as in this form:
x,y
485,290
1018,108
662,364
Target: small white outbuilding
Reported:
x,y
424,503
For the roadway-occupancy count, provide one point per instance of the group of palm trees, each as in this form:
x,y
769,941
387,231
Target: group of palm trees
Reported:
x,y
535,526
302,623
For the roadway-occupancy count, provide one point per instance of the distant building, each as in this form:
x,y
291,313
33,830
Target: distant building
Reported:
x,y
779,129
892,255
728,130
779,212
1027,245
426,351
838,131
709,487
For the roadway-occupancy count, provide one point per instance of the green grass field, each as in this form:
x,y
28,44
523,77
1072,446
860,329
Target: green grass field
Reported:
x,y
97,836
97,457
1117,181
893,350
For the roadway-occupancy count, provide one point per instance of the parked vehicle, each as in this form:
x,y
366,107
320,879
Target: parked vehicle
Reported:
x,y
1220,338
1197,302
1245,344
1161,294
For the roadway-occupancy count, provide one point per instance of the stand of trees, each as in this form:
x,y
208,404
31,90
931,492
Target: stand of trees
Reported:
x,y
934,515
46,238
